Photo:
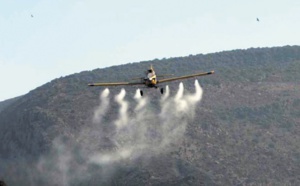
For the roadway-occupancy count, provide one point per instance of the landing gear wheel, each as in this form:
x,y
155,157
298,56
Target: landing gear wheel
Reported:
x,y
141,92
162,90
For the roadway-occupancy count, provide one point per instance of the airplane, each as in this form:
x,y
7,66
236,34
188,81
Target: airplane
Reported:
x,y
151,80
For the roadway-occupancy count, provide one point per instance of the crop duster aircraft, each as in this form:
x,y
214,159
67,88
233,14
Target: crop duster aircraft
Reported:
x,y
151,80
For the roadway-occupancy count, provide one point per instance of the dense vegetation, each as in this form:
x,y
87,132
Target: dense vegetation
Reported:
x,y
246,130
4,104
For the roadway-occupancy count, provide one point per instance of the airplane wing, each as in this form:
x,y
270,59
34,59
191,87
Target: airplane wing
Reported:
x,y
115,84
186,77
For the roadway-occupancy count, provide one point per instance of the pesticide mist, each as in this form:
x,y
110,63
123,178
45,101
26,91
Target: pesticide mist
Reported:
x,y
137,130
143,131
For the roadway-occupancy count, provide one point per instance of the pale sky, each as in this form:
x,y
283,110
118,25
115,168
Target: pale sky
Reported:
x,y
69,36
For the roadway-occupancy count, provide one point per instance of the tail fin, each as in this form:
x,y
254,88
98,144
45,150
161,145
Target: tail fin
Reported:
x,y
151,67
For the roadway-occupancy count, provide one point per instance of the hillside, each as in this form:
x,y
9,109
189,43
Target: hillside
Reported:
x,y
4,104
245,131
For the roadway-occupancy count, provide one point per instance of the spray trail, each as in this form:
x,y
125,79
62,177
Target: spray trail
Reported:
x,y
192,99
102,108
176,113
166,95
146,129
141,101
181,103
58,165
123,118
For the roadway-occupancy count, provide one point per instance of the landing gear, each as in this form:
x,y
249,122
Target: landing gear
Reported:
x,y
141,92
162,90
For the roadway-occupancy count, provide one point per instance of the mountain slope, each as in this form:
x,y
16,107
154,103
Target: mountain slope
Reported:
x,y
246,129
4,104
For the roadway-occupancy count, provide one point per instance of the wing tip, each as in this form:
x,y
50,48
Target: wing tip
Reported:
x,y
211,72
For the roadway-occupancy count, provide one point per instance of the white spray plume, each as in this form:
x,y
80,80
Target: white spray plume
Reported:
x,y
56,167
104,94
123,117
176,113
137,94
107,158
198,94
141,101
180,92
166,94
181,103
102,108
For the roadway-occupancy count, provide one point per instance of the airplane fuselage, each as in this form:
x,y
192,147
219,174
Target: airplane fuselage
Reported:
x,y
150,83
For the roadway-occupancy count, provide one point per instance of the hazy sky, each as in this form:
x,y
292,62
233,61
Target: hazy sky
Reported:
x,y
68,36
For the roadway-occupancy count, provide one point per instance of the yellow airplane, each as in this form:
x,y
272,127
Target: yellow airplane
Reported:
x,y
151,80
